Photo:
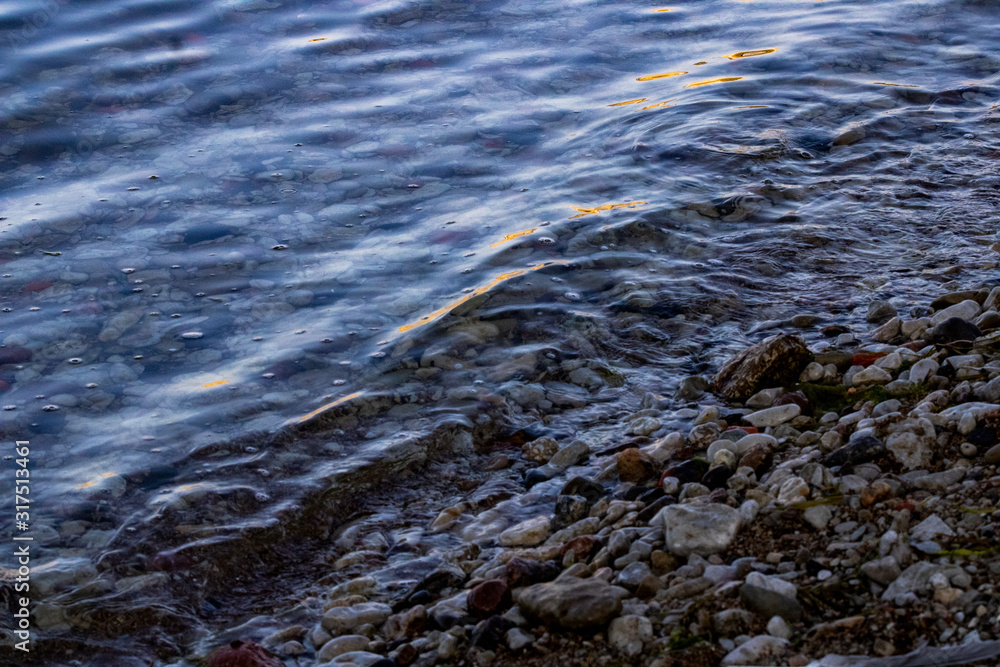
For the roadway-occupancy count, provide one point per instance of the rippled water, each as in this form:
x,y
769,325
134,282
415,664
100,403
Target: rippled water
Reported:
x,y
252,250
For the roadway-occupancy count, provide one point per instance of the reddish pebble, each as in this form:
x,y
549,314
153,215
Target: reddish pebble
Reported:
x,y
488,598
243,654
581,547
14,354
866,358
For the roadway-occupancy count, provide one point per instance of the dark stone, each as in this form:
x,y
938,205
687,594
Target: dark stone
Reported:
x,y
842,360
860,450
570,509
768,603
717,476
691,470
243,654
650,496
773,362
834,330
880,311
581,486
440,579
384,662
647,513
631,493
406,654
524,572
489,598
535,476
954,329
490,632
798,398
989,321
14,354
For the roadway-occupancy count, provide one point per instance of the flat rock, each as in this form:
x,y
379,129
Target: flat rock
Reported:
x,y
965,310
913,579
775,416
930,528
773,362
572,604
771,596
760,650
526,534
346,620
883,571
702,529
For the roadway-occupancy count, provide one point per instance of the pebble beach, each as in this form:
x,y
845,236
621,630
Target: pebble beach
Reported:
x,y
823,505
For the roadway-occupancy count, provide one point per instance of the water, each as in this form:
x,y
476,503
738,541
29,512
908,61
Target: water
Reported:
x,y
217,218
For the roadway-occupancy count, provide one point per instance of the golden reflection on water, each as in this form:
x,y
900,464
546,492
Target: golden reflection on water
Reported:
x,y
665,9
332,404
318,39
215,384
104,475
605,207
620,104
503,277
708,82
749,54
897,85
515,235
665,75
664,104
754,106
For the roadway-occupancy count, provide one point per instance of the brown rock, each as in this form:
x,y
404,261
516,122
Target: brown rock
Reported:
x,y
524,572
581,547
636,466
243,654
876,492
406,654
759,457
405,624
489,598
773,362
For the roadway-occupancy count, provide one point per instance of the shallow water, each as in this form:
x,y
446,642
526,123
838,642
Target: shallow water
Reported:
x,y
218,217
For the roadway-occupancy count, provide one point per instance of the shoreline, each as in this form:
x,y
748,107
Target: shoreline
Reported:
x,y
850,512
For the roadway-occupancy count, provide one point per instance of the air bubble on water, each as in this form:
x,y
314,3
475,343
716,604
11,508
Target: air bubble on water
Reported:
x,y
338,383
263,472
74,361
250,450
8,408
546,240
50,408
192,335
262,497
267,376
572,296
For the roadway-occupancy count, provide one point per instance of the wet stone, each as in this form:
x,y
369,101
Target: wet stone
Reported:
x,y
636,466
700,529
773,362
573,604
488,598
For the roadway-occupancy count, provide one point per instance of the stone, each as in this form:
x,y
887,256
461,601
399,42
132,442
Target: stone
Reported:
x,y
771,596
859,450
571,604
818,516
346,620
778,627
408,623
517,639
887,331
581,486
793,490
744,444
703,435
930,528
952,330
775,361
702,529
992,456
913,447
760,650
883,571
912,580
880,311
691,388
526,534
939,481
525,571
243,654
569,510
581,547
773,416
540,450
871,375
570,455
633,575
765,398
922,370
488,598
629,634
358,659
340,645
636,466
965,310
